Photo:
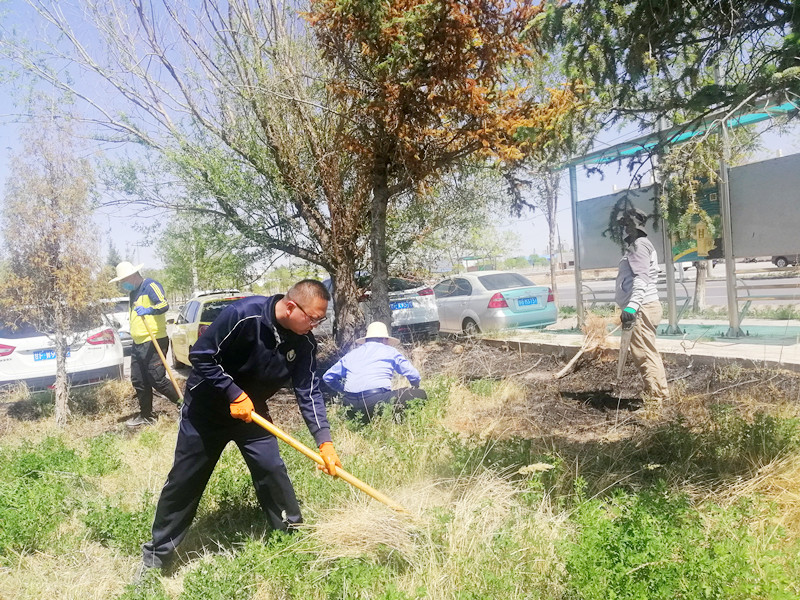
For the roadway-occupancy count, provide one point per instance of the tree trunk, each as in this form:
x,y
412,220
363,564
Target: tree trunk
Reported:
x,y
348,317
379,301
62,383
550,183
552,243
699,301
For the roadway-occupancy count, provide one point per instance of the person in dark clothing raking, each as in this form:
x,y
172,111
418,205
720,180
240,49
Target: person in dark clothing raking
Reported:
x,y
248,353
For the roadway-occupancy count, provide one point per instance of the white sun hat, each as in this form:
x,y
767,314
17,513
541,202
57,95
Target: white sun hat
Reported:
x,y
378,330
125,269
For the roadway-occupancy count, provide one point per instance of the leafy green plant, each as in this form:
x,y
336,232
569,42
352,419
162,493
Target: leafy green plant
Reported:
x,y
36,493
654,545
117,527
104,455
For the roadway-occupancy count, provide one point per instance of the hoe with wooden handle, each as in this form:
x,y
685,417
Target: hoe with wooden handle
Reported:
x,y
163,358
340,472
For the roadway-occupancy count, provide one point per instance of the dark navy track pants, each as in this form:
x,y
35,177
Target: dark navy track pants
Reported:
x,y
201,439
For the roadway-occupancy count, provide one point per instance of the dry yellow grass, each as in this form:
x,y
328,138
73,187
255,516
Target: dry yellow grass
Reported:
x,y
486,416
779,482
595,330
90,573
15,393
441,555
479,505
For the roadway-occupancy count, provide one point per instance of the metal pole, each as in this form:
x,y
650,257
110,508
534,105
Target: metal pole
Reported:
x,y
669,263
727,228
576,244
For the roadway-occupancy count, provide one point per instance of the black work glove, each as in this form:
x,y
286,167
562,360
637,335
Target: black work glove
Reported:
x,y
627,317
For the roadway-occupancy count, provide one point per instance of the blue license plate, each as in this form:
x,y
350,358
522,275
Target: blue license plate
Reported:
x,y
527,301
401,305
44,355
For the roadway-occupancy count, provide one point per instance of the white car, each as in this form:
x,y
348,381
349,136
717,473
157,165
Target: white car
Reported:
x,y
414,311
29,356
484,301
118,311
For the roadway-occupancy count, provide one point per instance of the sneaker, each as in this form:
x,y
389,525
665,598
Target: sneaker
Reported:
x,y
146,582
139,421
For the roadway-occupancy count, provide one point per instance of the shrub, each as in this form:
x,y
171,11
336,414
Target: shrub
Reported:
x,y
119,528
655,545
36,494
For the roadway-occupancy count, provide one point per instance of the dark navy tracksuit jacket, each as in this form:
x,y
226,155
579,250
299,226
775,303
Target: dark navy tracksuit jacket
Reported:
x,y
246,350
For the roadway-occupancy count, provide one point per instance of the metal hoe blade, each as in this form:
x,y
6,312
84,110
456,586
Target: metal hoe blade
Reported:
x,y
624,344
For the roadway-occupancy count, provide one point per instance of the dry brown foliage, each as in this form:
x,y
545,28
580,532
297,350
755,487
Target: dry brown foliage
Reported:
x,y
779,482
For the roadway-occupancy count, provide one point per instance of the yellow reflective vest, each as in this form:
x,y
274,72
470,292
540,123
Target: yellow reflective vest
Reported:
x,y
149,294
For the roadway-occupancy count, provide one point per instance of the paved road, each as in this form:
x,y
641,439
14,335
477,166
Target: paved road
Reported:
x,y
715,291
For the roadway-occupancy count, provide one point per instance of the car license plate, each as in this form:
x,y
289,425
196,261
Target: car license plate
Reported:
x,y
401,305
527,301
44,355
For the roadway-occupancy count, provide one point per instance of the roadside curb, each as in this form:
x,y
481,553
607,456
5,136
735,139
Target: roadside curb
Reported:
x,y
679,358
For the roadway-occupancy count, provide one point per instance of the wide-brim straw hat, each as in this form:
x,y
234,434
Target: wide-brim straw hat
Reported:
x,y
125,269
636,216
378,330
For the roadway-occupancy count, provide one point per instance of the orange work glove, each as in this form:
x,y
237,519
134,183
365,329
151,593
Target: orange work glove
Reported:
x,y
330,457
242,407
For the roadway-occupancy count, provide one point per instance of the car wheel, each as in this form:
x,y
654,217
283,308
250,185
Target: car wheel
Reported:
x,y
781,262
470,328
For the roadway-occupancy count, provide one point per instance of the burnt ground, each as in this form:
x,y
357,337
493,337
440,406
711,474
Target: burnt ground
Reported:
x,y
586,404
583,406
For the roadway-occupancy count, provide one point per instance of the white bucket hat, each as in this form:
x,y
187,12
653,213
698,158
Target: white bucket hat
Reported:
x,y
125,269
378,330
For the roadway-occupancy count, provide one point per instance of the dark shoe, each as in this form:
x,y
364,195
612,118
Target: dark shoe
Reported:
x,y
144,572
146,583
140,421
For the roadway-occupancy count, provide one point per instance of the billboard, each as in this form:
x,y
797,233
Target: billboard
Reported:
x,y
599,252
765,207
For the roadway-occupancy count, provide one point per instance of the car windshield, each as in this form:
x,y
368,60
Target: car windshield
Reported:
x,y
499,281
396,284
22,330
212,309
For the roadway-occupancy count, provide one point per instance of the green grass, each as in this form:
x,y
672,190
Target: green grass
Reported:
x,y
644,518
658,544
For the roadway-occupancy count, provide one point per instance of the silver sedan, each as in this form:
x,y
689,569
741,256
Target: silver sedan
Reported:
x,y
492,300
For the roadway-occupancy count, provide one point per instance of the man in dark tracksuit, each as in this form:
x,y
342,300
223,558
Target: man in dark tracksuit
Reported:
x,y
148,304
249,351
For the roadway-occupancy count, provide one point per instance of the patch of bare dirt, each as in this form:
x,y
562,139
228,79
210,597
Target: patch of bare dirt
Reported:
x,y
587,404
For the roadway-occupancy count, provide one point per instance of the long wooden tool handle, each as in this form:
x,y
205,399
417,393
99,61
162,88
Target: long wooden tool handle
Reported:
x,y
163,358
340,472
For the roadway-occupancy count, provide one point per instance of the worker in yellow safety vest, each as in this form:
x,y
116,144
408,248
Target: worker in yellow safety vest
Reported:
x,y
147,302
